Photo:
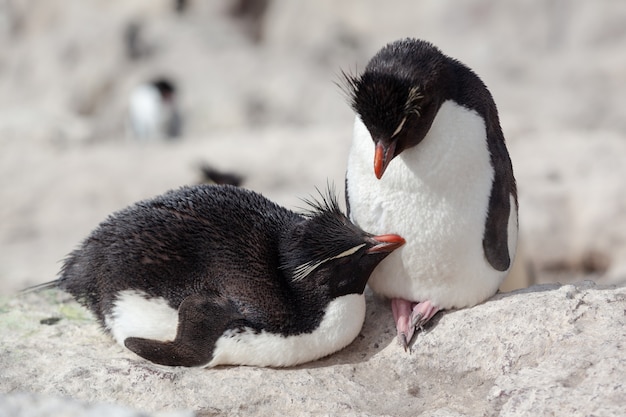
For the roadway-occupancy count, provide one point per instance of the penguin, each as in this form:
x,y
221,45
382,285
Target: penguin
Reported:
x,y
251,14
211,275
428,161
153,111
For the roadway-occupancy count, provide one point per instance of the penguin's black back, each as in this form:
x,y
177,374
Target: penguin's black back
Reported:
x,y
220,240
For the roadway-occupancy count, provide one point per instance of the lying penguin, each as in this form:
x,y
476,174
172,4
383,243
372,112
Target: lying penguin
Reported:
x,y
213,275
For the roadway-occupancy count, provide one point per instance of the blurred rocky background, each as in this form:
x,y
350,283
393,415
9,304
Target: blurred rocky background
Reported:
x,y
255,97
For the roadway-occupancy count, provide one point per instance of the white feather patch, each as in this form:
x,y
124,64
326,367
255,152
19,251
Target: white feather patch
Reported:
x,y
134,314
302,271
399,128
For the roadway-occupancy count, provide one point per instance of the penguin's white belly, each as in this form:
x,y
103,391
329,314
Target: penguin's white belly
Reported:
x,y
340,326
436,196
135,315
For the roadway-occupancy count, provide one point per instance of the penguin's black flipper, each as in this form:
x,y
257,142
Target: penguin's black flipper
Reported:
x,y
495,239
202,319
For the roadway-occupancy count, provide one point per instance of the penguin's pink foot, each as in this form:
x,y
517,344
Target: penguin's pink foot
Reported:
x,y
402,316
410,316
422,312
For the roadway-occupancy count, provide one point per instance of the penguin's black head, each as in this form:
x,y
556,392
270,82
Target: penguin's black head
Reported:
x,y
166,88
327,251
398,96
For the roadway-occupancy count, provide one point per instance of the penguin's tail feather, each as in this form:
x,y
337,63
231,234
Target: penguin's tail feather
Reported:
x,y
41,287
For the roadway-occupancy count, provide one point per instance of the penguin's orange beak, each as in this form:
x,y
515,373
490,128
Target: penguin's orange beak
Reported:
x,y
386,243
383,154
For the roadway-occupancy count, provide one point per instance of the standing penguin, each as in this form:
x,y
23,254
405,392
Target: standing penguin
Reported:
x,y
211,275
153,112
442,178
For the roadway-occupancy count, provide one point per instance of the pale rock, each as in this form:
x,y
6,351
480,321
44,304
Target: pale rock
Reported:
x,y
545,350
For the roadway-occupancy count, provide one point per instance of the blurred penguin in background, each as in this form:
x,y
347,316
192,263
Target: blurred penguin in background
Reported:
x,y
180,6
153,111
251,16
135,45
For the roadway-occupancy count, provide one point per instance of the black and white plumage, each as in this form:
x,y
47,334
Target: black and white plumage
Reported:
x,y
153,111
210,275
429,162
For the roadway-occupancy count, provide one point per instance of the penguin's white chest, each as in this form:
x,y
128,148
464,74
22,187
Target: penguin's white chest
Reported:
x,y
436,196
150,117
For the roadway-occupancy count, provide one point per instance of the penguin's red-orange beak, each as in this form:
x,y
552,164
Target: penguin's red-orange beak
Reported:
x,y
382,156
386,243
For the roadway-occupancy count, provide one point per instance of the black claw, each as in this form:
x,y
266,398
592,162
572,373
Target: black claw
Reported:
x,y
403,342
417,321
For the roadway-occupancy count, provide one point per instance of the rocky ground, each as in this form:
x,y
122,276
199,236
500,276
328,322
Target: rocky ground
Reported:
x,y
258,98
546,350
